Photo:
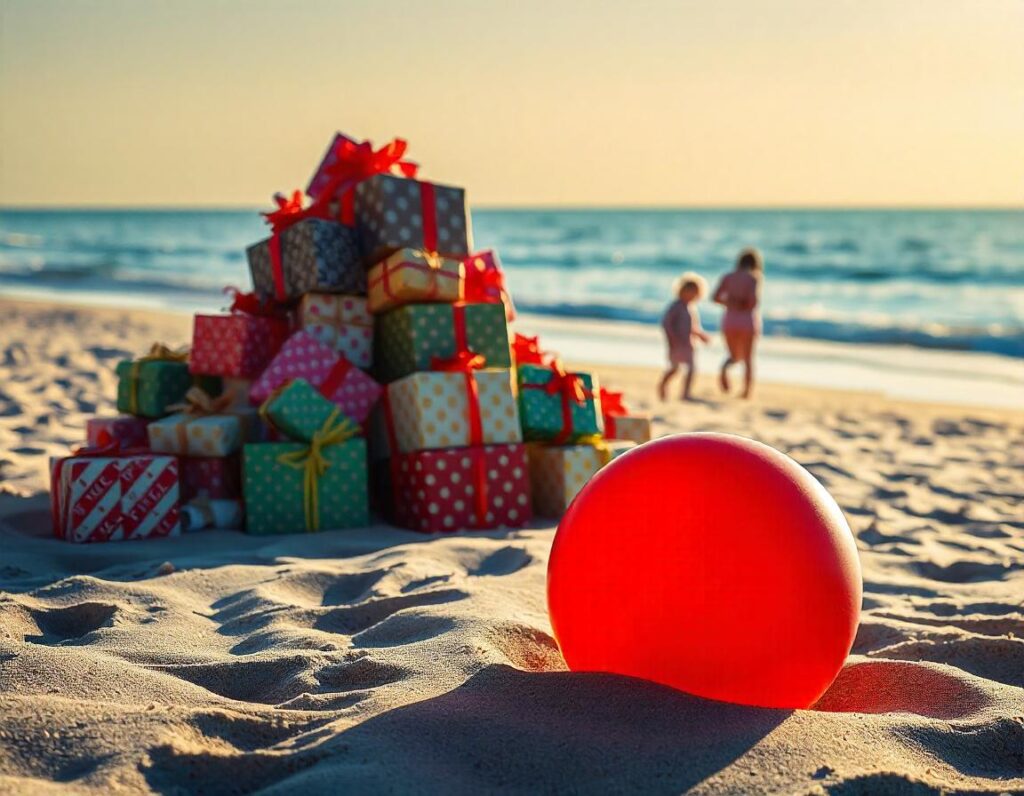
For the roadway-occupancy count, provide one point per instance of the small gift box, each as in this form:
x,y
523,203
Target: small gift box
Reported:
x,y
148,386
238,345
202,513
557,406
297,410
485,281
97,497
348,162
413,275
412,337
303,356
215,477
342,322
195,435
290,487
395,213
433,410
457,488
618,423
558,473
310,255
127,431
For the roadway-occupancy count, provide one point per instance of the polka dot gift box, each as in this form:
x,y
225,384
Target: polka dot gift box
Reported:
x,y
557,406
146,388
127,431
297,410
303,356
215,477
619,423
395,213
559,472
431,410
278,500
342,322
413,275
410,338
458,488
193,435
237,345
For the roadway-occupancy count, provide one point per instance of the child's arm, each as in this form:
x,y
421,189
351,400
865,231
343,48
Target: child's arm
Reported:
x,y
697,330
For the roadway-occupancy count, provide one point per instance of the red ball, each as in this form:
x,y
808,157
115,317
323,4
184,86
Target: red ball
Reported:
x,y
710,563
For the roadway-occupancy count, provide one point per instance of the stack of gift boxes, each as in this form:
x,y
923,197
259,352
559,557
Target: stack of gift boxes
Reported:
x,y
374,356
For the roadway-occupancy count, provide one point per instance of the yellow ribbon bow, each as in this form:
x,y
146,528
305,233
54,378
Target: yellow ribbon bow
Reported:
x,y
158,352
336,429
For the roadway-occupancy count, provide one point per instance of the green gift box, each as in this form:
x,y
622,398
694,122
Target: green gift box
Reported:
x,y
146,387
545,408
280,499
298,410
408,338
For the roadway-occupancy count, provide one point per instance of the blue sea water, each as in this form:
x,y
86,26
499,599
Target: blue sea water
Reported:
x,y
949,279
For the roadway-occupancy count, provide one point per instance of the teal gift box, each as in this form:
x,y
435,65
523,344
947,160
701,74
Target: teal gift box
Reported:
x,y
282,496
298,410
563,412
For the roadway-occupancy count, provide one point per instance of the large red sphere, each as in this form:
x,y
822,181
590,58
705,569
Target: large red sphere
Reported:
x,y
710,563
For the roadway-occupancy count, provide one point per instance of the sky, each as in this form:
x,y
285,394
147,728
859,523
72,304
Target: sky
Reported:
x,y
560,102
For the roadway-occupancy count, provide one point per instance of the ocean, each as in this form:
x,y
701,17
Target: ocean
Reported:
x,y
942,279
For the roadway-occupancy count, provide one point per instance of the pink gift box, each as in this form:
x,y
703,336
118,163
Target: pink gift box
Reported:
x,y
127,431
303,356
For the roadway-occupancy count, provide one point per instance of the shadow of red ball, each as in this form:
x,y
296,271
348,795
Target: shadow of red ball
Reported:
x,y
710,563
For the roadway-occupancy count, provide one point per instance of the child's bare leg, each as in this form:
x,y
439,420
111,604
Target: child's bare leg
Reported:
x,y
748,369
688,381
663,384
723,374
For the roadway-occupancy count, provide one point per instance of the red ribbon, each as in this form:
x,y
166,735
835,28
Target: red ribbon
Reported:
x,y
352,163
569,387
289,211
435,270
485,281
611,408
107,447
526,350
335,377
428,211
251,304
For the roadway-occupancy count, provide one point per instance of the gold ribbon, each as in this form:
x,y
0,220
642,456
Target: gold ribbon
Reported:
x,y
199,403
604,453
336,429
158,352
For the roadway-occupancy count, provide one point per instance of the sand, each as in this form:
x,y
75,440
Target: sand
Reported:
x,y
385,661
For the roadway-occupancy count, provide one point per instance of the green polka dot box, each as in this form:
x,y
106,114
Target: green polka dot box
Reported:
x,y
541,412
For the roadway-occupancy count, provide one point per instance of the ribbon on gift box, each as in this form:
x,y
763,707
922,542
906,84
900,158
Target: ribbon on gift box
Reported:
x,y
243,303
485,282
526,350
432,264
158,352
352,163
199,403
336,429
611,408
335,378
569,387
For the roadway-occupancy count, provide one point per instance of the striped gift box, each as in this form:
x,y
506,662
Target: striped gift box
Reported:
x,y
105,499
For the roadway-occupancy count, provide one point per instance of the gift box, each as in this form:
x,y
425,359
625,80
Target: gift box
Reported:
x,y
618,423
217,477
485,281
346,163
457,488
127,431
414,275
343,323
557,406
297,410
316,255
202,513
237,345
412,337
100,498
559,472
147,387
396,213
434,410
283,494
303,356
196,435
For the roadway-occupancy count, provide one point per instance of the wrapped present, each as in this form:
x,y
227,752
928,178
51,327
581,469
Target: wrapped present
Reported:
x,y
556,406
149,385
291,487
413,275
457,488
412,337
395,213
127,431
305,254
215,477
485,282
342,322
348,162
205,426
434,410
202,513
297,410
238,345
526,350
618,423
303,356
103,495
559,472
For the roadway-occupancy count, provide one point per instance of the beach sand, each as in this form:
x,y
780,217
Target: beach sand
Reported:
x,y
385,661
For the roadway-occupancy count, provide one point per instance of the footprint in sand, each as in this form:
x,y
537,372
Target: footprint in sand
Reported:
x,y
70,624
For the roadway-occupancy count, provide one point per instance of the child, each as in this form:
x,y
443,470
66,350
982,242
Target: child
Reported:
x,y
681,323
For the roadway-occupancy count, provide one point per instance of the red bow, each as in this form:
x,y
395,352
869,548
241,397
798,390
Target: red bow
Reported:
x,y
526,350
289,211
463,362
251,304
350,165
611,403
569,385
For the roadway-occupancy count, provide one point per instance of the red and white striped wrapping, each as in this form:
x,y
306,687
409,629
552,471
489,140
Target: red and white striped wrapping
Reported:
x,y
104,499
